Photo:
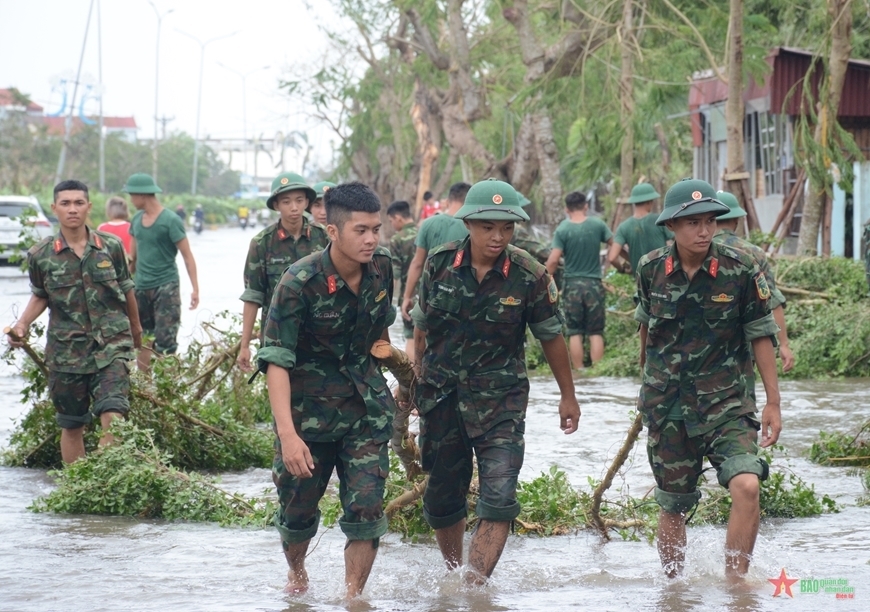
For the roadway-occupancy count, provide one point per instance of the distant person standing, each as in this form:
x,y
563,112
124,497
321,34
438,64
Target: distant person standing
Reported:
x,y
119,221
317,209
435,231
158,236
402,249
579,238
639,234
182,214
430,206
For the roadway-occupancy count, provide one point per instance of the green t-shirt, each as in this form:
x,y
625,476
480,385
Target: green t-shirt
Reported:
x,y
156,250
440,229
580,244
642,236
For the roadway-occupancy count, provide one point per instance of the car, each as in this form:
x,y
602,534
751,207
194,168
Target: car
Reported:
x,y
21,220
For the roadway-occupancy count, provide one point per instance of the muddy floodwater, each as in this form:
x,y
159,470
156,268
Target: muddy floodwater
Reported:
x,y
59,562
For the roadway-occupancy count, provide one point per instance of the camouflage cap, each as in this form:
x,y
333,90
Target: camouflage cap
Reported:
x,y
321,188
492,200
643,193
729,200
289,181
141,183
690,197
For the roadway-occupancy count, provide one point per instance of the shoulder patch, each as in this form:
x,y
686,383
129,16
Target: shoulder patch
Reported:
x,y
553,292
762,287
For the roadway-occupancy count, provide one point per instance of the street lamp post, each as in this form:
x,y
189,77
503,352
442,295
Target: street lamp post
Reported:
x,y
156,86
244,76
202,46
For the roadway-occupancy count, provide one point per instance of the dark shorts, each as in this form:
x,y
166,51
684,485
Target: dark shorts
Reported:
x,y
72,394
362,466
677,459
583,304
407,328
160,315
446,453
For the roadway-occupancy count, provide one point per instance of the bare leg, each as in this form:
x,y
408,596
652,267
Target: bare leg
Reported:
x,y
106,421
297,577
672,542
596,347
409,348
575,345
487,544
450,542
359,556
72,444
742,526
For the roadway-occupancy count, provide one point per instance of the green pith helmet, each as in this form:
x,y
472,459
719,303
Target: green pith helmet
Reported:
x,y
141,183
643,193
731,202
321,188
524,201
690,197
289,181
492,200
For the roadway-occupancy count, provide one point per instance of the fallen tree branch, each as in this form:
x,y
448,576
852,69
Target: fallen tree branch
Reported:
x,y
25,345
407,498
618,462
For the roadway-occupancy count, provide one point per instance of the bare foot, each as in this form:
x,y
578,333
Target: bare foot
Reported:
x,y
473,577
297,583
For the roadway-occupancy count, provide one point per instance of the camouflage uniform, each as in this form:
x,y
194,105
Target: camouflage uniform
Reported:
x,y
730,238
403,249
88,340
473,389
322,334
698,379
526,241
271,252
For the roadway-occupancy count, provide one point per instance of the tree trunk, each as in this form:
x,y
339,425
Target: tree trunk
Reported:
x,y
626,112
840,14
427,149
548,161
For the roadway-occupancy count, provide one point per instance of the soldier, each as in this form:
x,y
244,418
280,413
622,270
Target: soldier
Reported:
x,y
402,249
327,312
81,276
476,299
639,233
701,304
316,209
525,240
273,250
434,231
158,235
579,238
726,234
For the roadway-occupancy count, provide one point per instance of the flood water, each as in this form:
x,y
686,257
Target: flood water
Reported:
x,y
59,562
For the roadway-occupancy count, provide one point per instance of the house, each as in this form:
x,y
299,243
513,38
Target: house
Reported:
x,y
11,100
125,126
772,109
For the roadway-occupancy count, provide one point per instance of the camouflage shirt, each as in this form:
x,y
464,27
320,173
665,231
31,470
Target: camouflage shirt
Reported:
x,y
476,332
322,333
271,252
403,249
525,240
728,237
698,366
88,327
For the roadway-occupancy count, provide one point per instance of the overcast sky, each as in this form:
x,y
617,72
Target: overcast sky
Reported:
x,y
41,40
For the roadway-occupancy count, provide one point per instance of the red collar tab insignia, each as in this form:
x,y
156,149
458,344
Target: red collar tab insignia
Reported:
x,y
98,242
331,285
281,233
669,265
497,199
457,261
58,246
714,267
697,195
722,298
285,180
506,267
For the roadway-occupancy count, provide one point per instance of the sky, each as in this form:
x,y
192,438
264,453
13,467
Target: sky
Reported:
x,y
41,41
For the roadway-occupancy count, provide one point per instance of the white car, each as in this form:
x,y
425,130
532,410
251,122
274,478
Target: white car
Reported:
x,y
21,218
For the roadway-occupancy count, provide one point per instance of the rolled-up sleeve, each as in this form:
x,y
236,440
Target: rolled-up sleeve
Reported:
x,y
255,276
37,284
287,314
544,319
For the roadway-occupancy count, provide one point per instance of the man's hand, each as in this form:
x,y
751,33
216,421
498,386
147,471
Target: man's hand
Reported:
x,y
569,414
136,331
194,300
771,424
19,330
787,358
296,456
244,358
407,305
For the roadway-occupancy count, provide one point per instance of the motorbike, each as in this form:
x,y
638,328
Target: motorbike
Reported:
x,y
197,225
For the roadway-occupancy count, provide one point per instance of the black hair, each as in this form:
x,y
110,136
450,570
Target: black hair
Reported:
x,y
399,207
427,195
458,191
71,185
575,200
347,198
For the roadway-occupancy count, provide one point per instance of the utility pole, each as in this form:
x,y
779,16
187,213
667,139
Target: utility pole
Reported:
x,y
244,76
156,86
163,121
100,73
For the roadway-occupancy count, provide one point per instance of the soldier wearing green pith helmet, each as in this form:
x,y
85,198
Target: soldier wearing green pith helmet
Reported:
x,y
317,209
272,251
477,297
639,234
701,304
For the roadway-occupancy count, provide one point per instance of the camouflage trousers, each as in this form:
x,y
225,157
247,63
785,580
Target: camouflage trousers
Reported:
x,y
72,394
447,455
362,466
160,315
677,459
583,305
